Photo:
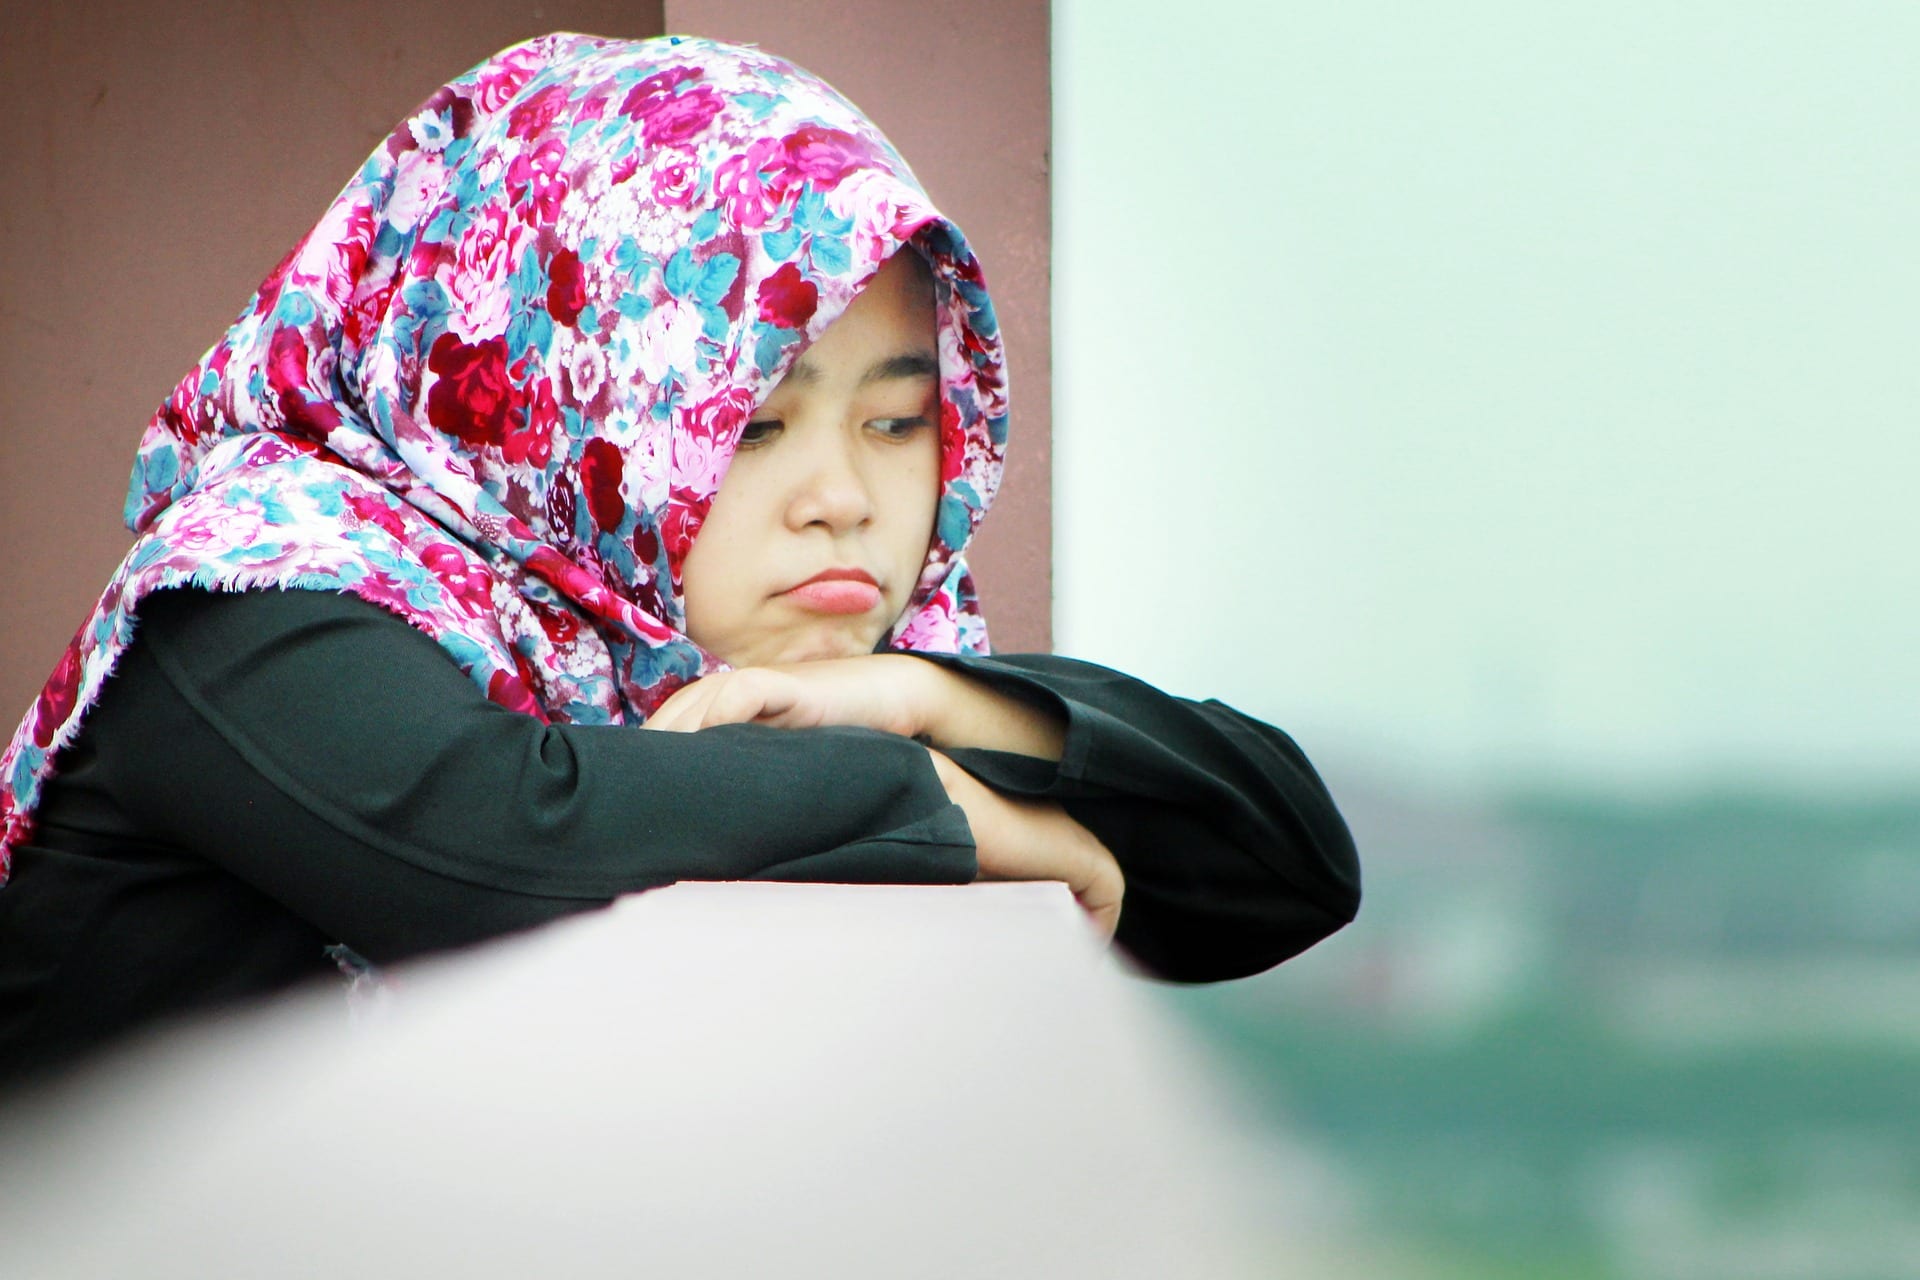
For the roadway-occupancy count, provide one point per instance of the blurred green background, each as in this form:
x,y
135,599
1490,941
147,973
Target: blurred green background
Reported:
x,y
1516,402
1575,1037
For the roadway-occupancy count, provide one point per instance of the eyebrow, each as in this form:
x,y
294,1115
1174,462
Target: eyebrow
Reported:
x,y
917,364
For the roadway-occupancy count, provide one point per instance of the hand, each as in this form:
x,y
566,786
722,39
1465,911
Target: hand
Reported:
x,y
887,692
1036,840
1015,839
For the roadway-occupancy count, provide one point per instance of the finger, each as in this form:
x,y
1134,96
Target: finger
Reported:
x,y
736,702
770,698
1101,902
699,712
665,715
1105,918
733,697
681,712
750,694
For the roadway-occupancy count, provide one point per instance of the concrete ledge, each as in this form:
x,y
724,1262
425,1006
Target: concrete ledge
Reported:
x,y
707,1080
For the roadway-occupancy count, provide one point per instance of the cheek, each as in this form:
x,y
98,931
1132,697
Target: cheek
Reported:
x,y
921,481
726,569
695,600
711,568
919,501
734,517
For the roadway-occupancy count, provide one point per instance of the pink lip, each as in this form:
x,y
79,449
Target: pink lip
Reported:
x,y
836,591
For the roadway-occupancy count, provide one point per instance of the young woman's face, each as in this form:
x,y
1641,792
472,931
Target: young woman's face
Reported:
x,y
817,536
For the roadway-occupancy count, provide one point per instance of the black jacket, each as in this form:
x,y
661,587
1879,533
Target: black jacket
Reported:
x,y
271,773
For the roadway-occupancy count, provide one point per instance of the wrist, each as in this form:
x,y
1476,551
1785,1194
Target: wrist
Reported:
x,y
930,704
954,709
948,772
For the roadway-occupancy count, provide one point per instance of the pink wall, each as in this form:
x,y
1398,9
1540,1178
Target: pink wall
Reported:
x,y
158,159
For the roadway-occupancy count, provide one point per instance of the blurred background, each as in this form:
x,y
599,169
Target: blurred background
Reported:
x,y
1517,404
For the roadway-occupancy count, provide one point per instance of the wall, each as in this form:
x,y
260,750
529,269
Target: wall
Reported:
x,y
1516,395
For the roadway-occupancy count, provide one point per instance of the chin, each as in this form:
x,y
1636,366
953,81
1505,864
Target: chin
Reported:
x,y
820,648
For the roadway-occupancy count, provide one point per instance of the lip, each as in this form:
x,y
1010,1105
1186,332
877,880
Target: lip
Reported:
x,y
840,575
840,591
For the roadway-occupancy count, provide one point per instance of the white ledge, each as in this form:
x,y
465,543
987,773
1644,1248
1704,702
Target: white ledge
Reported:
x,y
707,1080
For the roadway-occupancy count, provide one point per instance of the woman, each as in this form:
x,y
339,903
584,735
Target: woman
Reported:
x,y
627,384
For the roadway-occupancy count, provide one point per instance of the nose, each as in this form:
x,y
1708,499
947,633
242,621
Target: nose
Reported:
x,y
830,487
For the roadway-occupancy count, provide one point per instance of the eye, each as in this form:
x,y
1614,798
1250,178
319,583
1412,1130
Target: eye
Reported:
x,y
760,432
899,429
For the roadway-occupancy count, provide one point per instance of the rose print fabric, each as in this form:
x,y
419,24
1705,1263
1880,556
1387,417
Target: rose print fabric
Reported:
x,y
497,387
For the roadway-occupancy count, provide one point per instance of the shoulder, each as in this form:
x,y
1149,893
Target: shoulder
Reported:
x,y
193,618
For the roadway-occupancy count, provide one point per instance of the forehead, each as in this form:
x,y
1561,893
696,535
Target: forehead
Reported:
x,y
916,364
886,332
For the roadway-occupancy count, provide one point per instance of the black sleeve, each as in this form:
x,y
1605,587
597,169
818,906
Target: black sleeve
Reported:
x,y
330,755
1234,853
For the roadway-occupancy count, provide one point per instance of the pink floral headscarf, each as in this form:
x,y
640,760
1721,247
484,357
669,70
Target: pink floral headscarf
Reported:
x,y
496,388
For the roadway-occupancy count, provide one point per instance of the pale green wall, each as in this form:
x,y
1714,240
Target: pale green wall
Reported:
x,y
1499,392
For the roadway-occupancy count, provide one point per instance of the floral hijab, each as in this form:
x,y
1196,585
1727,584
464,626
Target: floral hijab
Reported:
x,y
496,388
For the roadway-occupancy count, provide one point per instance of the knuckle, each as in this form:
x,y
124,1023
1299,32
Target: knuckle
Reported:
x,y
734,702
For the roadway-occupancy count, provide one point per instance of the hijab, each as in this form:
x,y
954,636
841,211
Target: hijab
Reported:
x,y
495,389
